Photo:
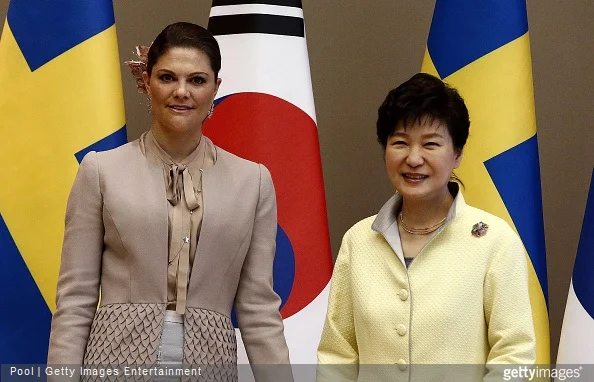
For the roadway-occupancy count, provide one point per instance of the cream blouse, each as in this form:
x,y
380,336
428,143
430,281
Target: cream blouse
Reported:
x,y
183,182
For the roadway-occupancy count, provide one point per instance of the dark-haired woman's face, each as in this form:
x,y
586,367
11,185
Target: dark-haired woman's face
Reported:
x,y
182,87
420,160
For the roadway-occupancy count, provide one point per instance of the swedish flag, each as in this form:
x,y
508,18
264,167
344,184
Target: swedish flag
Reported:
x,y
61,97
482,49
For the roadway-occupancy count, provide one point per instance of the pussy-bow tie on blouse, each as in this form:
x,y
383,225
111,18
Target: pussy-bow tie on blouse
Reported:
x,y
179,184
180,191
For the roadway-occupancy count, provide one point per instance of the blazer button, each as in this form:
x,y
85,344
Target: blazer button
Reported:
x,y
403,294
401,329
402,364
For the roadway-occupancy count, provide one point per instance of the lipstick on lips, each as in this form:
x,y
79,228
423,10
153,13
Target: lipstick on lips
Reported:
x,y
413,177
180,108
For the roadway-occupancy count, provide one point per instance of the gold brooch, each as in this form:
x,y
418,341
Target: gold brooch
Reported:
x,y
479,229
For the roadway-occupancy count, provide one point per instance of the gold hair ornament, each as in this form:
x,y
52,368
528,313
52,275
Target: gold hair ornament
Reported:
x,y
137,67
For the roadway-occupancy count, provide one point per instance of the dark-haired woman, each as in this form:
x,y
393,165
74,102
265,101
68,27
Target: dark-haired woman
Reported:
x,y
429,279
173,231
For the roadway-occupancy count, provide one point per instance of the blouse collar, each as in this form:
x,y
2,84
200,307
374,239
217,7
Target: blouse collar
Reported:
x,y
388,214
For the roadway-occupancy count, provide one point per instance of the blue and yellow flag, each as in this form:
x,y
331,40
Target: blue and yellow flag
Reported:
x,y
482,49
61,97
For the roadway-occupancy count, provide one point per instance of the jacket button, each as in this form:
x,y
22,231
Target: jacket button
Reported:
x,y
402,364
403,294
401,329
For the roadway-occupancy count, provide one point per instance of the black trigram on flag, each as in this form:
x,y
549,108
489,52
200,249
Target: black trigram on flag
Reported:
x,y
280,17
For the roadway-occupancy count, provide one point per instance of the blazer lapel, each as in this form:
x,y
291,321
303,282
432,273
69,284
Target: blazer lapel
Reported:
x,y
155,237
224,227
142,223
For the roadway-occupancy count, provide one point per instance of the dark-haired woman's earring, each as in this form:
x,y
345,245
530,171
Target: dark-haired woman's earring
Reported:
x,y
210,111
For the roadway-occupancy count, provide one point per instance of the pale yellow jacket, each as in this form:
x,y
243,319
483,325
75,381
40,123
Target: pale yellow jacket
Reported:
x,y
463,300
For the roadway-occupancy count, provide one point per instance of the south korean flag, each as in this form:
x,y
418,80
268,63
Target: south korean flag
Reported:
x,y
265,113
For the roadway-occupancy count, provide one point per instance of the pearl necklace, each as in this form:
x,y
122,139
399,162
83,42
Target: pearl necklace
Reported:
x,y
420,231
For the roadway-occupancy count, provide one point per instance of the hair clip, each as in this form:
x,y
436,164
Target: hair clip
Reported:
x,y
137,67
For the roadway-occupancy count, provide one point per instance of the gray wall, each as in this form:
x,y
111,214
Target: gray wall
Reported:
x,y
359,51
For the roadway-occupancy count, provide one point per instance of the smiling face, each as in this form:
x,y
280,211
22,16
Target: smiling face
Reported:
x,y
182,87
420,160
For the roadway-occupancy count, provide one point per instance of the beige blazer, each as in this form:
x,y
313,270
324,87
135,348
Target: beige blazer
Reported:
x,y
116,243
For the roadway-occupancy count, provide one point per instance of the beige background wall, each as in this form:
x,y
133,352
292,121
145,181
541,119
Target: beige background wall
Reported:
x,y
359,50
